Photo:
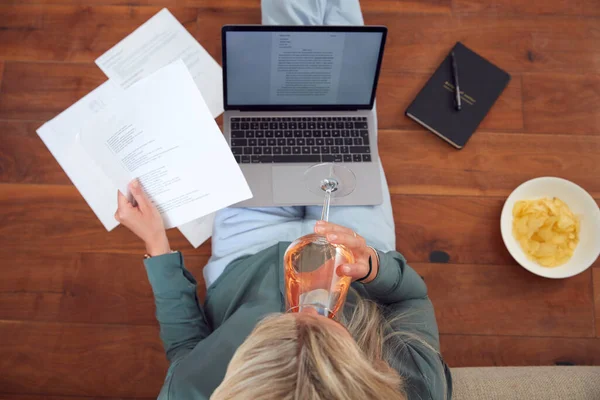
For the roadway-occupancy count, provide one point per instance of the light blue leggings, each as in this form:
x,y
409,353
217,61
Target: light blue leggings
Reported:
x,y
242,231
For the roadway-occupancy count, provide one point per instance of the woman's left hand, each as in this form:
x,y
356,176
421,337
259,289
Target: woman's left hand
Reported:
x,y
338,234
143,219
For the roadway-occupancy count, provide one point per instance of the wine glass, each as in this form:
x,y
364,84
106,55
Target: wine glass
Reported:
x,y
311,262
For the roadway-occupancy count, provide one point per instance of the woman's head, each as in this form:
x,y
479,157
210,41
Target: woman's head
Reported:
x,y
306,356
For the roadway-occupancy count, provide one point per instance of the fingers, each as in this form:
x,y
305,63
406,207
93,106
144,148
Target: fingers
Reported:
x,y
123,207
324,228
348,240
355,271
122,201
339,234
139,195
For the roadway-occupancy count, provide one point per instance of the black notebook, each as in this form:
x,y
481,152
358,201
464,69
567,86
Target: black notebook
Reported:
x,y
480,83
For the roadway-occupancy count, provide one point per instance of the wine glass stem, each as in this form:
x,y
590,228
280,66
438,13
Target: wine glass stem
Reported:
x,y
326,203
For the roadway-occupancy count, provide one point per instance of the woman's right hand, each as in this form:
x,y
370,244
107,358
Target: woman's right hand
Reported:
x,y
360,270
143,219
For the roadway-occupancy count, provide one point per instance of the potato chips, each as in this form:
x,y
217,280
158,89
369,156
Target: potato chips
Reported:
x,y
546,229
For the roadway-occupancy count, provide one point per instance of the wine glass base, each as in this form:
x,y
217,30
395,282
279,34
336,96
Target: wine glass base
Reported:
x,y
329,185
339,180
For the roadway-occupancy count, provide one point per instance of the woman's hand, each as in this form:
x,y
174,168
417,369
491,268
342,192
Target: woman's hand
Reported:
x,y
143,219
337,234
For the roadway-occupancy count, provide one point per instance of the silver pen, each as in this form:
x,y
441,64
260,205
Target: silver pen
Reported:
x,y
456,85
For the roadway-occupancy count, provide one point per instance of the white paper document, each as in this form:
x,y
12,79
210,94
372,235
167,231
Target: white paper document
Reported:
x,y
161,131
199,230
158,42
60,136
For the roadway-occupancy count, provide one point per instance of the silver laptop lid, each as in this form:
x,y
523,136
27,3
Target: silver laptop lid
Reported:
x,y
293,68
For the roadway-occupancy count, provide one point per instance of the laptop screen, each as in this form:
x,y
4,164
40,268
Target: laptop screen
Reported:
x,y
301,69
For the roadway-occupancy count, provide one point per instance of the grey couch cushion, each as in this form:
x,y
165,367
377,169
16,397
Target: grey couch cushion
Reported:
x,y
527,383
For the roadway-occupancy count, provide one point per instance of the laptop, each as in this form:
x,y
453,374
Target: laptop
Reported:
x,y
296,96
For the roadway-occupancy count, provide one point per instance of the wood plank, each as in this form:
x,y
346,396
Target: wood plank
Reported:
x,y
536,7
591,8
427,165
1,73
398,6
85,288
70,287
466,228
397,89
408,6
561,103
39,357
517,7
40,91
230,4
53,218
418,162
491,351
81,360
31,92
72,33
596,289
516,44
507,112
24,158
508,300
35,91
422,169
420,42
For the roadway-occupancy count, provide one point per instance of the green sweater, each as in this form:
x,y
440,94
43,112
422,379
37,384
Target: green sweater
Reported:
x,y
200,340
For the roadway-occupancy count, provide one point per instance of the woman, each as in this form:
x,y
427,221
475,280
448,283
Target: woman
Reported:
x,y
240,344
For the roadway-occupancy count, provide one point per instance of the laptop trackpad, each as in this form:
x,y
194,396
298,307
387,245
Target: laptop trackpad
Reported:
x,y
290,188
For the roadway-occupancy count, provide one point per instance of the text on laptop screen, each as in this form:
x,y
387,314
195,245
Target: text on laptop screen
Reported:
x,y
301,68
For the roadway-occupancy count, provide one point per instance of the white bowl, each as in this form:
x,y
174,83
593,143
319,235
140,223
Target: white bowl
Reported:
x,y
582,205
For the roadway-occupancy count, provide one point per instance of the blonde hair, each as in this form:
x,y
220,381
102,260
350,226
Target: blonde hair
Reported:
x,y
297,357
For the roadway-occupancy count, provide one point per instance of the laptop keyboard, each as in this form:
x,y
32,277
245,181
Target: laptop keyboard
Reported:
x,y
300,139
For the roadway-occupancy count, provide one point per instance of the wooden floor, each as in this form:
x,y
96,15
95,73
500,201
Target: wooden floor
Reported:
x,y
76,311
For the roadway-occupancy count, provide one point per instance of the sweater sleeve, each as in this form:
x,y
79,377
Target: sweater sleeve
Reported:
x,y
402,293
182,321
395,281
